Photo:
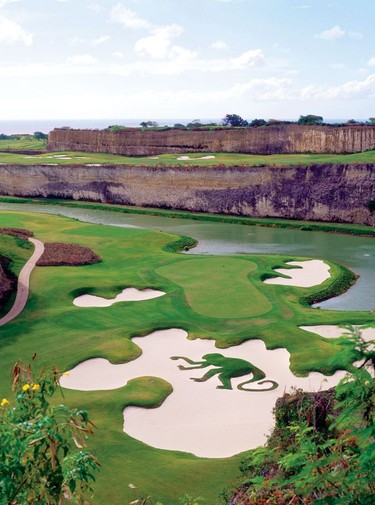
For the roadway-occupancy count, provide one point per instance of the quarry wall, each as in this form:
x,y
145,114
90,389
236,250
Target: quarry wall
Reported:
x,y
275,139
320,192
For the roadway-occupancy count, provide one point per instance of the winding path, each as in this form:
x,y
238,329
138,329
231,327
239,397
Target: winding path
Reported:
x,y
23,283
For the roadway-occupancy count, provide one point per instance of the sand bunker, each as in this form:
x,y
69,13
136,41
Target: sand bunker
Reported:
x,y
197,417
311,273
126,295
185,158
332,331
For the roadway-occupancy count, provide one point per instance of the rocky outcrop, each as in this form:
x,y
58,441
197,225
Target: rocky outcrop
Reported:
x,y
7,282
319,192
264,140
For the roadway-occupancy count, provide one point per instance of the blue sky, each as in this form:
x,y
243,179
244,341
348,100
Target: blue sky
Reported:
x,y
186,58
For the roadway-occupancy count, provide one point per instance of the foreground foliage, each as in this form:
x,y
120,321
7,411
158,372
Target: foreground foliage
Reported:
x,y
37,464
322,450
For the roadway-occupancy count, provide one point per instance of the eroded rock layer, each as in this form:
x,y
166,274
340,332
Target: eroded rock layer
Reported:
x,y
320,192
265,140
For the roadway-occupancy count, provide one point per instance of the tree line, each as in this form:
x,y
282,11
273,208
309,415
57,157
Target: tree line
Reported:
x,y
236,121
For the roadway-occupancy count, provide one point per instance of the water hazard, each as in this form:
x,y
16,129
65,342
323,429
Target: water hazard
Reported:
x,y
356,253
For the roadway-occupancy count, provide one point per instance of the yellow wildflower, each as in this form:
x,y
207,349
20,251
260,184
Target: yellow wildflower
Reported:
x,y
4,402
35,387
25,387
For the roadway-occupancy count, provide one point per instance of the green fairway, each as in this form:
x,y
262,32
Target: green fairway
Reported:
x,y
24,142
195,159
218,298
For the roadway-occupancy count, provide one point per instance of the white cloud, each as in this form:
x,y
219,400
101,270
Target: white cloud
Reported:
x,y
159,45
371,62
127,17
11,32
348,90
251,58
264,89
4,2
333,33
100,40
82,59
219,44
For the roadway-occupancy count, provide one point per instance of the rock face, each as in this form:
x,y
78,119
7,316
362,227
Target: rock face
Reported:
x,y
7,282
321,192
264,140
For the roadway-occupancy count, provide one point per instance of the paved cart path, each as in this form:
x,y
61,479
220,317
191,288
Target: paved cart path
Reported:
x,y
24,282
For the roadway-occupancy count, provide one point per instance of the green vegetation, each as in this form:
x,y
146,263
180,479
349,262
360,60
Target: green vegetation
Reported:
x,y
195,159
310,119
226,369
234,120
36,142
223,296
322,448
64,334
38,463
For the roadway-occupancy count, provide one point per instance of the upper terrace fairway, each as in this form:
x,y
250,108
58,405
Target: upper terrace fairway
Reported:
x,y
189,159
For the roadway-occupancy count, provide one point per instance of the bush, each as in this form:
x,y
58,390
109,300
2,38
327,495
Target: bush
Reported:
x,y
328,462
38,463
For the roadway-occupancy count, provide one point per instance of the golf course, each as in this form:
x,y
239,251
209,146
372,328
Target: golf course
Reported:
x,y
200,311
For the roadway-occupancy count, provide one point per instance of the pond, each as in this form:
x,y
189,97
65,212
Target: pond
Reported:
x,y
356,253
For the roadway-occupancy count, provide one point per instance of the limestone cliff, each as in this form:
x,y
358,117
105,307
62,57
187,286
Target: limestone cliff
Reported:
x,y
264,140
320,192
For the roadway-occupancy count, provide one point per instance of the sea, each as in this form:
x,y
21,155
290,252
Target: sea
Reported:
x,y
12,127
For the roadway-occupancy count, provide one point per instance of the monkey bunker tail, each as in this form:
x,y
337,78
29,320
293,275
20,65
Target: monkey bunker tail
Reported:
x,y
274,385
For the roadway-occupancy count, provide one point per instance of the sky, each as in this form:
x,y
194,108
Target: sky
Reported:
x,y
197,59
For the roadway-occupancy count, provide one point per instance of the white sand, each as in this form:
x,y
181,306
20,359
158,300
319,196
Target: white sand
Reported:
x,y
332,331
311,273
184,158
126,295
197,417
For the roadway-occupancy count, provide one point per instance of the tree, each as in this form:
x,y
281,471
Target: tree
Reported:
x,y
310,119
40,136
196,123
38,463
149,124
234,120
371,120
258,122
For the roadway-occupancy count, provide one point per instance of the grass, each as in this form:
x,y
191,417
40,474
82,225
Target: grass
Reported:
x,y
65,335
220,292
24,143
220,159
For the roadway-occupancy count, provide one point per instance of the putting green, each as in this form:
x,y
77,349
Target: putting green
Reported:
x,y
219,287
